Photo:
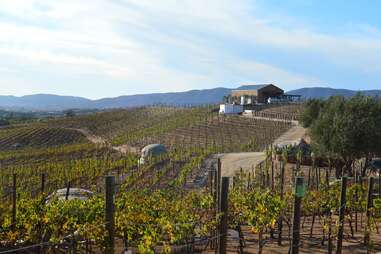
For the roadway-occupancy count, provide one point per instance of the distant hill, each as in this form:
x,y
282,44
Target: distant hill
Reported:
x,y
45,102
326,92
193,97
49,102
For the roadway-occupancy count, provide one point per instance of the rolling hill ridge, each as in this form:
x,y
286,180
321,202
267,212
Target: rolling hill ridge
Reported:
x,y
46,102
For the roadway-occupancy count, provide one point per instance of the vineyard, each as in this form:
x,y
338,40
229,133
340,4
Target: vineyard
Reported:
x,y
37,137
126,126
177,127
226,133
292,111
151,217
175,203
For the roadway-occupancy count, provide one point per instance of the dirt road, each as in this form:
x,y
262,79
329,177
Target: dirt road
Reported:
x,y
97,140
292,136
232,162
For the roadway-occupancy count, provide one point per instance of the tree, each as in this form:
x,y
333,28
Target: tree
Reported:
x,y
345,129
313,108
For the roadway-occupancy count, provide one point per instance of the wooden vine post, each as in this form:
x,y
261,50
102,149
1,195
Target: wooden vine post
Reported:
x,y
368,207
223,230
217,194
280,220
14,201
109,216
67,190
341,215
272,176
299,193
43,178
211,172
218,183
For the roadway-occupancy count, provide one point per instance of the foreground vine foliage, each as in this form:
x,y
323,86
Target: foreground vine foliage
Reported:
x,y
144,219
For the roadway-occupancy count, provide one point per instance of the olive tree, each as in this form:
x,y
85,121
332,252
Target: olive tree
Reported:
x,y
345,129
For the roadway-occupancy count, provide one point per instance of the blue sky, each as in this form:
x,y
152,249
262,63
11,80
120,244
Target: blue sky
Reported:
x,y
106,48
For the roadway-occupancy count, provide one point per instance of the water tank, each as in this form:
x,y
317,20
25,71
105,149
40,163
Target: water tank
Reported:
x,y
242,100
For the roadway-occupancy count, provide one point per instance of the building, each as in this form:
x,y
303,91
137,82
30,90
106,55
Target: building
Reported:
x,y
259,94
230,109
256,93
248,97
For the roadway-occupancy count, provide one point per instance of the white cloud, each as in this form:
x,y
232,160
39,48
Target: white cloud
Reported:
x,y
165,45
264,73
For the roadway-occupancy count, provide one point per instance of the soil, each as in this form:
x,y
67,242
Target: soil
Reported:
x,y
97,140
233,162
310,245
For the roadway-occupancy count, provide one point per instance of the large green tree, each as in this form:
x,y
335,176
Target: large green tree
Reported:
x,y
345,129
311,112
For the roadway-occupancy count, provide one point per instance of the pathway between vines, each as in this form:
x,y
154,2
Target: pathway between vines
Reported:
x,y
232,162
98,140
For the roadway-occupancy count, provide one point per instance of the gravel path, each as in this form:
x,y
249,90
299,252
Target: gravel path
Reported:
x,y
233,162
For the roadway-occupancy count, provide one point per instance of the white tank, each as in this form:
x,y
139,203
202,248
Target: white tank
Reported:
x,y
242,100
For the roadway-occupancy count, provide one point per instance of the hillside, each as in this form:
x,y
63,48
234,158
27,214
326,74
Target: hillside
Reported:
x,y
326,92
47,102
103,142
43,102
50,159
193,97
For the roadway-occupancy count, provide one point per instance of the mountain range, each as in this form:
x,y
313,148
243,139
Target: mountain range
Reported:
x,y
326,92
48,102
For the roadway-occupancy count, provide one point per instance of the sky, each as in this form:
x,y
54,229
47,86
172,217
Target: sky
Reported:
x,y
108,48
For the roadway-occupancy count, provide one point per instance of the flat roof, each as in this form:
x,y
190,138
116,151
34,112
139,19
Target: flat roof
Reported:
x,y
251,87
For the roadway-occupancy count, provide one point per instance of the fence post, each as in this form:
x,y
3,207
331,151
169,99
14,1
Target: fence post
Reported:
x,y
341,215
67,190
368,207
110,196
218,190
299,193
218,198
211,182
379,182
280,220
272,176
43,175
14,201
224,218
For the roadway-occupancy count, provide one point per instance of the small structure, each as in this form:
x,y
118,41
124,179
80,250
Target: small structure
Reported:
x,y
152,150
230,109
252,94
250,97
285,98
259,94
